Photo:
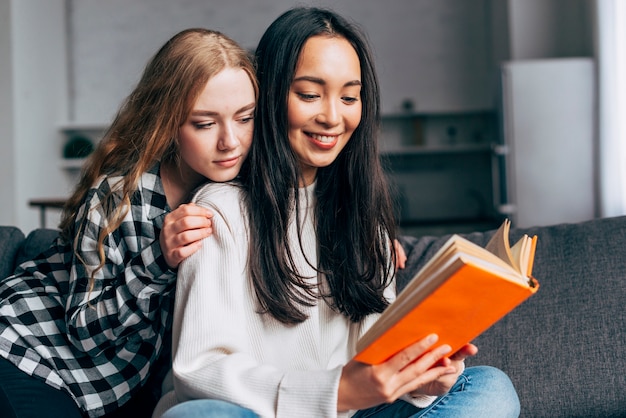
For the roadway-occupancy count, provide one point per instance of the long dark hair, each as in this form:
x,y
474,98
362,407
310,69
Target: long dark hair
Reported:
x,y
354,215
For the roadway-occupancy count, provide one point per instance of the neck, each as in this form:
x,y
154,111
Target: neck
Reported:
x,y
309,175
178,183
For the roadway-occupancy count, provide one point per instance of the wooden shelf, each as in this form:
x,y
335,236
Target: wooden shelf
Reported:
x,y
44,204
441,227
96,127
437,149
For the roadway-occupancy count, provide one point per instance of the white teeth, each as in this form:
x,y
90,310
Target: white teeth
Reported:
x,y
325,139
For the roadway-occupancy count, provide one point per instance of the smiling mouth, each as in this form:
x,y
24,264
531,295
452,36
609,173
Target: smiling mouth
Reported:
x,y
324,139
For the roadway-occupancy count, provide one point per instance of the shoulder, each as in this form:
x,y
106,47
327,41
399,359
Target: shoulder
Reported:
x,y
146,202
222,196
107,184
229,242
148,181
106,189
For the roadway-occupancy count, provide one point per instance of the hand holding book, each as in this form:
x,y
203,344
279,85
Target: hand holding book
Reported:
x,y
463,290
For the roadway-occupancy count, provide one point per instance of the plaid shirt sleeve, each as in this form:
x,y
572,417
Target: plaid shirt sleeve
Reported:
x,y
125,298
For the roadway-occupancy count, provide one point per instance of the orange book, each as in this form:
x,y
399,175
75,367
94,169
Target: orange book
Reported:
x,y
462,291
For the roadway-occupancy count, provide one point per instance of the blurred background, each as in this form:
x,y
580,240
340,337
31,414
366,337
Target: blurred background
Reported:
x,y
491,108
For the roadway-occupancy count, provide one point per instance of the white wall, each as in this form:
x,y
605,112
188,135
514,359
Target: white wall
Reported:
x,y
435,53
114,39
549,28
34,59
107,43
7,157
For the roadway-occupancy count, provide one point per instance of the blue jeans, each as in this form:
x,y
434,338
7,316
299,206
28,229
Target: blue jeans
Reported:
x,y
481,392
208,408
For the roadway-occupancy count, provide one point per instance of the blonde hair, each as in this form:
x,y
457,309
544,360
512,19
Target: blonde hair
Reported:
x,y
145,128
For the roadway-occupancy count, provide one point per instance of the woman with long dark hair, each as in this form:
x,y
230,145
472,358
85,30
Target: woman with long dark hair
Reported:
x,y
269,310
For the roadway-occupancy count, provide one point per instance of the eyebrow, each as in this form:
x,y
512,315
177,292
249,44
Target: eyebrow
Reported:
x,y
243,109
322,82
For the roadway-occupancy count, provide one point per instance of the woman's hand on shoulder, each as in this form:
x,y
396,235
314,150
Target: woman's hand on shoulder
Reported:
x,y
421,368
183,231
400,255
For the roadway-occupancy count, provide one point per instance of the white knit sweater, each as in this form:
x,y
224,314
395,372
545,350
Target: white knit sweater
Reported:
x,y
224,349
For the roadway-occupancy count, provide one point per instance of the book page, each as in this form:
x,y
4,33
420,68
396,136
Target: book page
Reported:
x,y
499,244
520,256
520,252
524,251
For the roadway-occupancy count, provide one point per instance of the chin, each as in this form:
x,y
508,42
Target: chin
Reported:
x,y
223,177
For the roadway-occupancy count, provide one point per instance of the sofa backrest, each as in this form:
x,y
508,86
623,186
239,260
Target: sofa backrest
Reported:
x,y
35,243
15,248
11,239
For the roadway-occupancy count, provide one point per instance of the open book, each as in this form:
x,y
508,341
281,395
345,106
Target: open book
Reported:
x,y
463,290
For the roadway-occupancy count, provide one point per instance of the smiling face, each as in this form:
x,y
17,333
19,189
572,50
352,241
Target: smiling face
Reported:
x,y
324,104
216,137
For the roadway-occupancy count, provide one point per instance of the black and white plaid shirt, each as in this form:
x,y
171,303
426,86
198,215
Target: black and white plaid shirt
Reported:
x,y
97,343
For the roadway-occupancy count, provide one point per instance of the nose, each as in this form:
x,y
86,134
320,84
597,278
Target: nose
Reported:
x,y
228,138
329,113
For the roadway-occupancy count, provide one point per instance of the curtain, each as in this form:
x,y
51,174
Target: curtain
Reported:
x,y
610,28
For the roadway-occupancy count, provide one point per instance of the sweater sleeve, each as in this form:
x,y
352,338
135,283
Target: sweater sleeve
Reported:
x,y
216,329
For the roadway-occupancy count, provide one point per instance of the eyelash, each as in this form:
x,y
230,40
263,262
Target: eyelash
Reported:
x,y
307,97
311,97
208,125
203,125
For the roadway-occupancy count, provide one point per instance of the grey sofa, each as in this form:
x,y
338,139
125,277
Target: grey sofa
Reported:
x,y
564,348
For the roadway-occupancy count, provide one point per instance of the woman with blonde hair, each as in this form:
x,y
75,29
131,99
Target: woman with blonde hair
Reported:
x,y
86,324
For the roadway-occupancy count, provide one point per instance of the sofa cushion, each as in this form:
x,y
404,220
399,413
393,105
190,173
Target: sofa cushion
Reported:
x,y
564,347
11,239
35,243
